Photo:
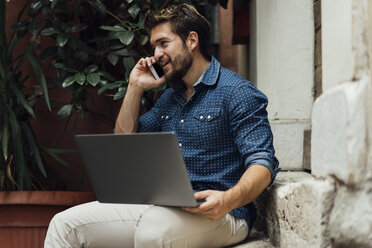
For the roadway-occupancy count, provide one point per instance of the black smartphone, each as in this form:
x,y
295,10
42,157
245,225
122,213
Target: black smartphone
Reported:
x,y
156,71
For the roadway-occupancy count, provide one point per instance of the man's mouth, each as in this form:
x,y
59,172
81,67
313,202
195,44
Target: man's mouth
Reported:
x,y
164,64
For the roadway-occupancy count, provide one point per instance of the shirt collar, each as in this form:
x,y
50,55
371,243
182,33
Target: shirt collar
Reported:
x,y
210,75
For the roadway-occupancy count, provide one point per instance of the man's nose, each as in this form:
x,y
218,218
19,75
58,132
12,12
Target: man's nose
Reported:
x,y
158,53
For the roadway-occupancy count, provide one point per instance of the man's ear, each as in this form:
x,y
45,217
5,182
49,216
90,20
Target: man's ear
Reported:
x,y
192,40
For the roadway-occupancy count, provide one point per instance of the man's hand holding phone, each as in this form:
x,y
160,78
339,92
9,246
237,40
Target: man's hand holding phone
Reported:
x,y
144,75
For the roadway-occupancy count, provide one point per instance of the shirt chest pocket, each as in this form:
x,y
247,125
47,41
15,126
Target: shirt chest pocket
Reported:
x,y
167,120
208,120
207,114
207,128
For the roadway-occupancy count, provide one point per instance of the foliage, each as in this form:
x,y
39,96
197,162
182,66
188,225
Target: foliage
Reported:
x,y
20,154
96,43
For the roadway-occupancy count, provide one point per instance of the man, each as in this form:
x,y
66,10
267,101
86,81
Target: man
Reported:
x,y
221,123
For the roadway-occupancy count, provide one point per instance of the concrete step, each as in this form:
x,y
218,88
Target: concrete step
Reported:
x,y
294,211
256,239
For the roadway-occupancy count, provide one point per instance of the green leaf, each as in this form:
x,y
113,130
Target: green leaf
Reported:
x,y
125,52
41,78
113,58
116,45
80,78
98,5
5,141
115,28
54,3
103,88
62,66
120,94
22,100
126,37
53,155
107,75
12,43
93,78
37,5
133,11
34,148
2,23
143,39
129,63
62,39
79,27
66,27
68,81
23,176
25,56
127,74
49,31
115,85
34,27
91,68
141,21
83,55
65,111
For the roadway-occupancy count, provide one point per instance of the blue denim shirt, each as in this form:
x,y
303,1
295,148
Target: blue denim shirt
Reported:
x,y
222,130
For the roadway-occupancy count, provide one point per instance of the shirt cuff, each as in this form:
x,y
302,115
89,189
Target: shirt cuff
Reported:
x,y
264,159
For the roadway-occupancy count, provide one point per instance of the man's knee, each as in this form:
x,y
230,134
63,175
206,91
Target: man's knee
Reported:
x,y
156,228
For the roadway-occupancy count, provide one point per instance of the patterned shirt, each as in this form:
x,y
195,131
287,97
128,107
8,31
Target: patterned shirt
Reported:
x,y
222,130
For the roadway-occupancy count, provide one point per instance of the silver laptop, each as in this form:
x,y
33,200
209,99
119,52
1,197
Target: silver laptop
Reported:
x,y
141,168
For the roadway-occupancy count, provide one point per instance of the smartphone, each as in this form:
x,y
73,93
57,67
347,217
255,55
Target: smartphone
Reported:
x,y
156,71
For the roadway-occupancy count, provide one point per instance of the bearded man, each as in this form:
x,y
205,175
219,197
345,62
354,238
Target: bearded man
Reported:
x,y
221,123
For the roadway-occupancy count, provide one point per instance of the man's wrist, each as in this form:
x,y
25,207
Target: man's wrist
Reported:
x,y
135,88
228,200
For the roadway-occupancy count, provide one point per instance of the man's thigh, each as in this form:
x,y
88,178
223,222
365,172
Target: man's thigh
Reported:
x,y
173,227
95,225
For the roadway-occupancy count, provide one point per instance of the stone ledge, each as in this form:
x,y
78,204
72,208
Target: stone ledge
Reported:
x,y
294,211
256,240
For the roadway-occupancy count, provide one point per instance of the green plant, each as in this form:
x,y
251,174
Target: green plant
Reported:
x,y
96,43
21,162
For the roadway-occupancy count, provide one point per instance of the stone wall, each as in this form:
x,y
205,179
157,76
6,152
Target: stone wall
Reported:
x,y
341,149
282,66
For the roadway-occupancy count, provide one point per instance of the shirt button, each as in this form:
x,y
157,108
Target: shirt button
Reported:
x,y
167,117
182,121
201,117
162,116
209,117
180,144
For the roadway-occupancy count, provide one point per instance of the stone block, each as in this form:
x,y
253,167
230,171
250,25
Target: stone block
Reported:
x,y
289,142
339,133
294,211
350,223
255,240
284,39
337,43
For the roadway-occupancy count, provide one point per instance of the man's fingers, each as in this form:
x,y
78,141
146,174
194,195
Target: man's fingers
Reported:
x,y
202,194
147,62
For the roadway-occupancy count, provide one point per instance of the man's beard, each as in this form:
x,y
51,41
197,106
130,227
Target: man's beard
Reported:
x,y
180,66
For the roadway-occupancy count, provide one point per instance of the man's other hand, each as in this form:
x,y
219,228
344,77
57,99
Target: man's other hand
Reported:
x,y
141,75
214,207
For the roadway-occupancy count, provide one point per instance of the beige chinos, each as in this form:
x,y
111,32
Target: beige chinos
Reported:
x,y
101,225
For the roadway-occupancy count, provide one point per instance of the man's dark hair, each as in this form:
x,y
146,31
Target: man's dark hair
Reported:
x,y
183,18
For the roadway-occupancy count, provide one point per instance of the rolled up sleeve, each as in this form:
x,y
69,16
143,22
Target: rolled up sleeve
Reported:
x,y
251,129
